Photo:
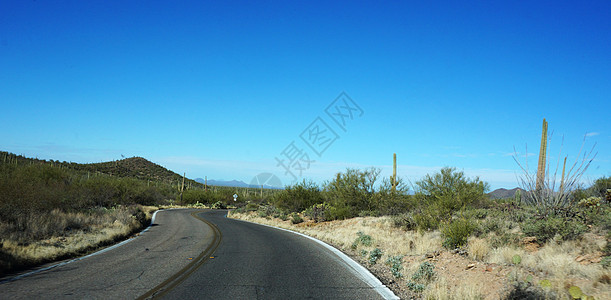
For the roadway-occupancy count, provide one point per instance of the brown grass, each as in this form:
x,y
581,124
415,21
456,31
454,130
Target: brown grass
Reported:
x,y
58,235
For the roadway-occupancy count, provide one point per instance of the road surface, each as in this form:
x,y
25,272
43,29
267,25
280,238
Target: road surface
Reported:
x,y
201,254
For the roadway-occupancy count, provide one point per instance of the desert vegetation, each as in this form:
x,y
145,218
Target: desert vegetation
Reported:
x,y
449,240
51,210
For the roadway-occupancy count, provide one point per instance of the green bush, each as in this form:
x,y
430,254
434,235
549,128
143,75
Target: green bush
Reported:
x,y
298,197
395,263
393,202
404,221
428,219
353,191
363,239
251,207
442,194
457,232
422,277
487,226
318,212
375,255
219,205
339,212
525,290
546,228
296,219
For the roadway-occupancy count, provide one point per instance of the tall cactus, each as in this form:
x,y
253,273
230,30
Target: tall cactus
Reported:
x,y
393,178
542,159
562,180
182,188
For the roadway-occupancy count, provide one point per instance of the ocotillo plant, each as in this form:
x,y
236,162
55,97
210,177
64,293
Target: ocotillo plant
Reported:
x,y
541,187
542,159
393,178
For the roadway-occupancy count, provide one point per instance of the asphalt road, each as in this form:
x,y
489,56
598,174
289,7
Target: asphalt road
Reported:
x,y
194,254
259,262
125,272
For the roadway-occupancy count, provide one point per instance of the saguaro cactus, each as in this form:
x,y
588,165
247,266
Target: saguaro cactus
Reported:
x,y
562,180
542,159
182,188
393,178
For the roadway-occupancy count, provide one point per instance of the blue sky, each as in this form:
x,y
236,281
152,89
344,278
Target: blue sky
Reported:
x,y
222,89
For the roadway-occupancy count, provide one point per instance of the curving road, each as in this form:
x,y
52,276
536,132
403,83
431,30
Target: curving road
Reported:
x,y
201,254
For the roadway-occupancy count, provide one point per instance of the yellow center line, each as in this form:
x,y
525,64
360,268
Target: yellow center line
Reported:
x,y
170,283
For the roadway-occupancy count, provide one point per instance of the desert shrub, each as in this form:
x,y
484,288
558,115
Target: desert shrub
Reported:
x,y
492,225
504,239
298,197
422,277
363,239
446,192
395,263
374,255
426,272
318,212
457,232
339,212
251,207
427,219
265,211
606,262
545,228
404,221
353,191
522,290
415,287
476,214
218,205
148,196
296,219
393,202
602,188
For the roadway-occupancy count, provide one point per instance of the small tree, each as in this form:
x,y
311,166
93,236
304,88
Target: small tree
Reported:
x,y
298,197
354,189
449,191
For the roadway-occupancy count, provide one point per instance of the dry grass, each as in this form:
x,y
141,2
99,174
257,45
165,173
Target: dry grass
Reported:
x,y
478,248
555,261
343,233
440,290
413,246
57,235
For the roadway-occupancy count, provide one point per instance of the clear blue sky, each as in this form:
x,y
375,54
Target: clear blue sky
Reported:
x,y
221,89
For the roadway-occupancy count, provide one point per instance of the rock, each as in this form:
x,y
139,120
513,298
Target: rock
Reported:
x,y
590,258
530,243
470,266
528,240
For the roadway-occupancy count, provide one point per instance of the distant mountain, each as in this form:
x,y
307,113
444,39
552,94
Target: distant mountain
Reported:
x,y
233,183
135,167
504,193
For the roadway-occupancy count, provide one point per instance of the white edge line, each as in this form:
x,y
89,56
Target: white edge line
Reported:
x,y
82,257
355,267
